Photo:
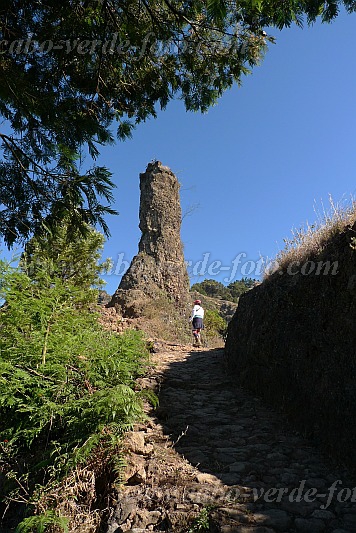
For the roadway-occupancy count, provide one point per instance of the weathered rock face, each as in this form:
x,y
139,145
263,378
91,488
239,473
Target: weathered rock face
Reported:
x,y
159,268
292,340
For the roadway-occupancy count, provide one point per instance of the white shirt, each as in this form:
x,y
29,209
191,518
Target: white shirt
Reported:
x,y
198,312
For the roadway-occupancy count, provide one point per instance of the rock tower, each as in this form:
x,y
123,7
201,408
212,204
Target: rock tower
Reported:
x,y
159,268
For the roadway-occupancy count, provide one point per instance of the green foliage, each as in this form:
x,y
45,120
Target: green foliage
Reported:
x,y
70,69
39,524
214,324
202,522
66,384
104,62
238,287
212,288
216,289
67,254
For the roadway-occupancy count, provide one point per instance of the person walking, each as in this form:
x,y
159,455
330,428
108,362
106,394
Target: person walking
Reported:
x,y
196,318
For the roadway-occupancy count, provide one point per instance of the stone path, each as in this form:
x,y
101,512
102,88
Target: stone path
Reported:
x,y
213,454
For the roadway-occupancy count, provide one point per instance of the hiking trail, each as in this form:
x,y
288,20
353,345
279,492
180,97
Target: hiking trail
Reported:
x,y
213,453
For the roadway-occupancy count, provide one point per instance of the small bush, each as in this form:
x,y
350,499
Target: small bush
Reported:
x,y
215,325
40,524
202,522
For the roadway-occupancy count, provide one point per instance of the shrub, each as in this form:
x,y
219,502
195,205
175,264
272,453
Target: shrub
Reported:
x,y
215,325
66,384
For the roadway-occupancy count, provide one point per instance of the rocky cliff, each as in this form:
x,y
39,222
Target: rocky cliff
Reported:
x,y
158,270
293,342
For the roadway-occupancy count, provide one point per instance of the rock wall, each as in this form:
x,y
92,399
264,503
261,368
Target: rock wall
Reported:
x,y
293,342
158,270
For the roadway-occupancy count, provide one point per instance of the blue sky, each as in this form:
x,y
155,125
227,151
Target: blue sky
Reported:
x,y
253,167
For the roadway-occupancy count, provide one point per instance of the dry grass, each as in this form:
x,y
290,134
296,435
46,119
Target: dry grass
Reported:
x,y
165,320
85,495
73,499
310,241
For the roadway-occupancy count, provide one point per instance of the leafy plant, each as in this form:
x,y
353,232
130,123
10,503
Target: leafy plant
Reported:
x,y
66,384
214,324
39,524
202,522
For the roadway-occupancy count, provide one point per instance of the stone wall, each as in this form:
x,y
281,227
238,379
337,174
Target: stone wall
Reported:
x,y
293,342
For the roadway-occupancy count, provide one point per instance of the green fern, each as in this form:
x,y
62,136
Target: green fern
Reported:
x,y
67,386
40,523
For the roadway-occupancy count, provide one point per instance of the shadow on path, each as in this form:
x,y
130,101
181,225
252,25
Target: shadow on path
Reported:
x,y
226,432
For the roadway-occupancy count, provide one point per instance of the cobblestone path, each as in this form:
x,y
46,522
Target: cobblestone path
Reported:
x,y
213,456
